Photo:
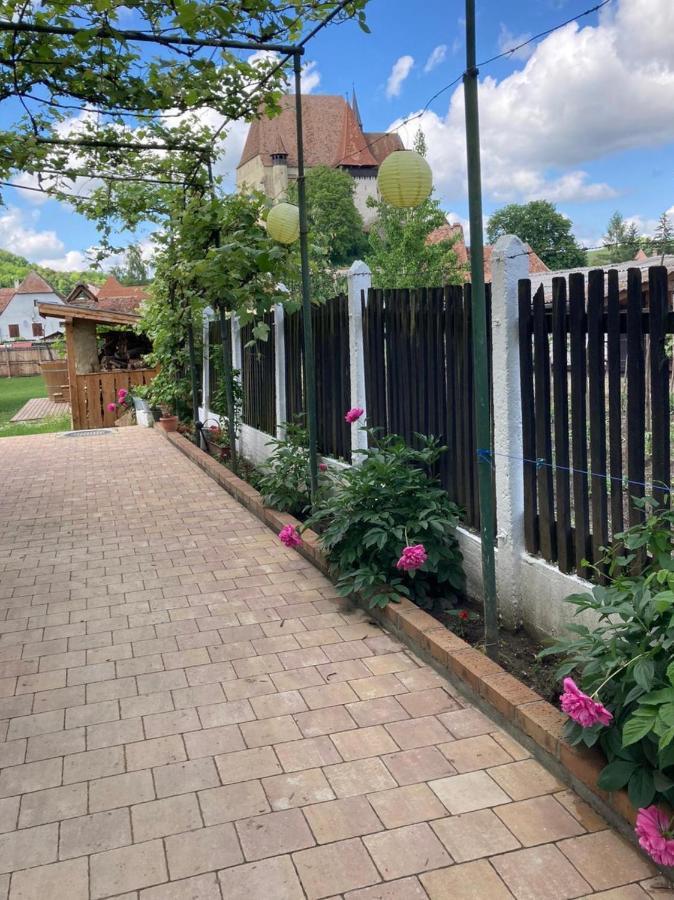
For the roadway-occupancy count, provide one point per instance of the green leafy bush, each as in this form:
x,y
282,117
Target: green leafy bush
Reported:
x,y
626,660
284,480
376,509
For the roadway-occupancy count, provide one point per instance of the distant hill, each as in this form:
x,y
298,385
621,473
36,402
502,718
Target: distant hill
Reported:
x,y
14,268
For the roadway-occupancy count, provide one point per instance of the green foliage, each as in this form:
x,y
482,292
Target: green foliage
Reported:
x,y
627,659
377,507
133,270
284,480
14,268
663,237
399,256
538,224
334,221
621,240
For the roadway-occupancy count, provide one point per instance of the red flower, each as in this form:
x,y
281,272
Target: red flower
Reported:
x,y
463,615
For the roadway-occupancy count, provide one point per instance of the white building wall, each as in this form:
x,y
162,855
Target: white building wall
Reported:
x,y
22,311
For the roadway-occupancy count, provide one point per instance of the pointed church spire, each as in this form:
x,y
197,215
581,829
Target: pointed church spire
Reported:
x,y
354,107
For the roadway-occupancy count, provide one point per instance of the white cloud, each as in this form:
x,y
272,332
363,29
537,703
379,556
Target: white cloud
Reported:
x,y
18,236
70,261
401,69
436,57
311,77
543,123
508,40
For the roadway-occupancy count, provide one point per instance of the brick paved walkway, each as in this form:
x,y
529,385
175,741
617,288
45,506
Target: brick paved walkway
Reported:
x,y
189,712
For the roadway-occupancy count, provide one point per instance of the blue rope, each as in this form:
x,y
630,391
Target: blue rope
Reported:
x,y
486,455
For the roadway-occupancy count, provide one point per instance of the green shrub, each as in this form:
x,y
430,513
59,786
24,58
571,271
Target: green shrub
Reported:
x,y
376,509
284,480
626,660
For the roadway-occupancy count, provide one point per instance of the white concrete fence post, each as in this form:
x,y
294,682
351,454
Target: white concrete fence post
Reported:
x,y
509,263
359,279
280,370
206,368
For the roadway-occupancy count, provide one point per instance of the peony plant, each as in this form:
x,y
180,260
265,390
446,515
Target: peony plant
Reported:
x,y
621,697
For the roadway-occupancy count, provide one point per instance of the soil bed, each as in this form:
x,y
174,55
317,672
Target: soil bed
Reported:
x,y
517,654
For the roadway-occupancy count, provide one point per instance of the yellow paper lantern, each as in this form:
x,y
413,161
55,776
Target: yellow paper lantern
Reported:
x,y
405,179
283,223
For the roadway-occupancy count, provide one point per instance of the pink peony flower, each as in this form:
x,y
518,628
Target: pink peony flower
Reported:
x,y
654,831
412,558
323,467
112,407
121,393
290,536
581,708
353,414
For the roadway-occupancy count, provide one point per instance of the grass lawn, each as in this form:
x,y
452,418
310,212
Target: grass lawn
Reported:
x,y
14,392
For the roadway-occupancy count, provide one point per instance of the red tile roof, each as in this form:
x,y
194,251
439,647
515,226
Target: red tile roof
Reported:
x,y
34,284
6,295
119,297
331,132
447,232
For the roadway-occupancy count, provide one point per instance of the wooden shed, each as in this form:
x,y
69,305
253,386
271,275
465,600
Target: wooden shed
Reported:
x,y
92,390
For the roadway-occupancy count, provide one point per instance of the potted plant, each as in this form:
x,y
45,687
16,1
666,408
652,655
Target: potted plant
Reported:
x,y
217,441
162,392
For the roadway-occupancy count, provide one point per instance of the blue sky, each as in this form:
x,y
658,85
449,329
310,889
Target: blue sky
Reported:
x,y
583,117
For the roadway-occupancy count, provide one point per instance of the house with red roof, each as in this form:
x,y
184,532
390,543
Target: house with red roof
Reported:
x,y
455,234
112,296
333,136
19,316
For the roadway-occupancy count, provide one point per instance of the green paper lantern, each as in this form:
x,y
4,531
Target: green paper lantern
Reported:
x,y
405,179
283,223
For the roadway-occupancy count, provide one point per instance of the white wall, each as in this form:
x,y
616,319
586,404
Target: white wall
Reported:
x,y
21,311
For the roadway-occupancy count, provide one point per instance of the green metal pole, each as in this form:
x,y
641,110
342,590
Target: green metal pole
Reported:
x,y
194,381
309,360
480,345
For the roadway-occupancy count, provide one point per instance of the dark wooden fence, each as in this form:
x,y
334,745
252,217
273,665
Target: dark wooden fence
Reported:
x,y
419,377
258,378
596,411
330,323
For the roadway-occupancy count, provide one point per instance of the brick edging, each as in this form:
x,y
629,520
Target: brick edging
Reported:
x,y
516,703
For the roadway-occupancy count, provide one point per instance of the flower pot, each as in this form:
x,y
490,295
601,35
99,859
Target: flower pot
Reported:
x,y
168,423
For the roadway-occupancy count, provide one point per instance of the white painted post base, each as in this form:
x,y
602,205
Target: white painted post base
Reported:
x,y
359,279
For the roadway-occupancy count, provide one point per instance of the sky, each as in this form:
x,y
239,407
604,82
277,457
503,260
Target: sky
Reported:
x,y
583,117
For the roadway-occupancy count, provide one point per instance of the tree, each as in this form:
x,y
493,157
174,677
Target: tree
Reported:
x,y
663,237
333,217
133,270
15,268
399,255
540,225
622,241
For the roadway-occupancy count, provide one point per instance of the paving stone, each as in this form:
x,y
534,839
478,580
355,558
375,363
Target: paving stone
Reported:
x,y
270,731
162,817
111,734
33,776
120,790
234,801
317,722
282,704
307,754
273,834
540,873
53,805
373,741
606,860
127,869
359,777
28,847
58,743
463,723
9,813
59,881
93,764
377,712
540,820
297,789
407,805
201,887
156,752
202,850
95,832
469,881
181,777
342,819
465,793
525,779
406,851
471,754
212,741
334,868
244,765
475,834
253,880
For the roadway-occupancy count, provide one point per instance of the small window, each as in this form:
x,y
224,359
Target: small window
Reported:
x,y
38,330
14,331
